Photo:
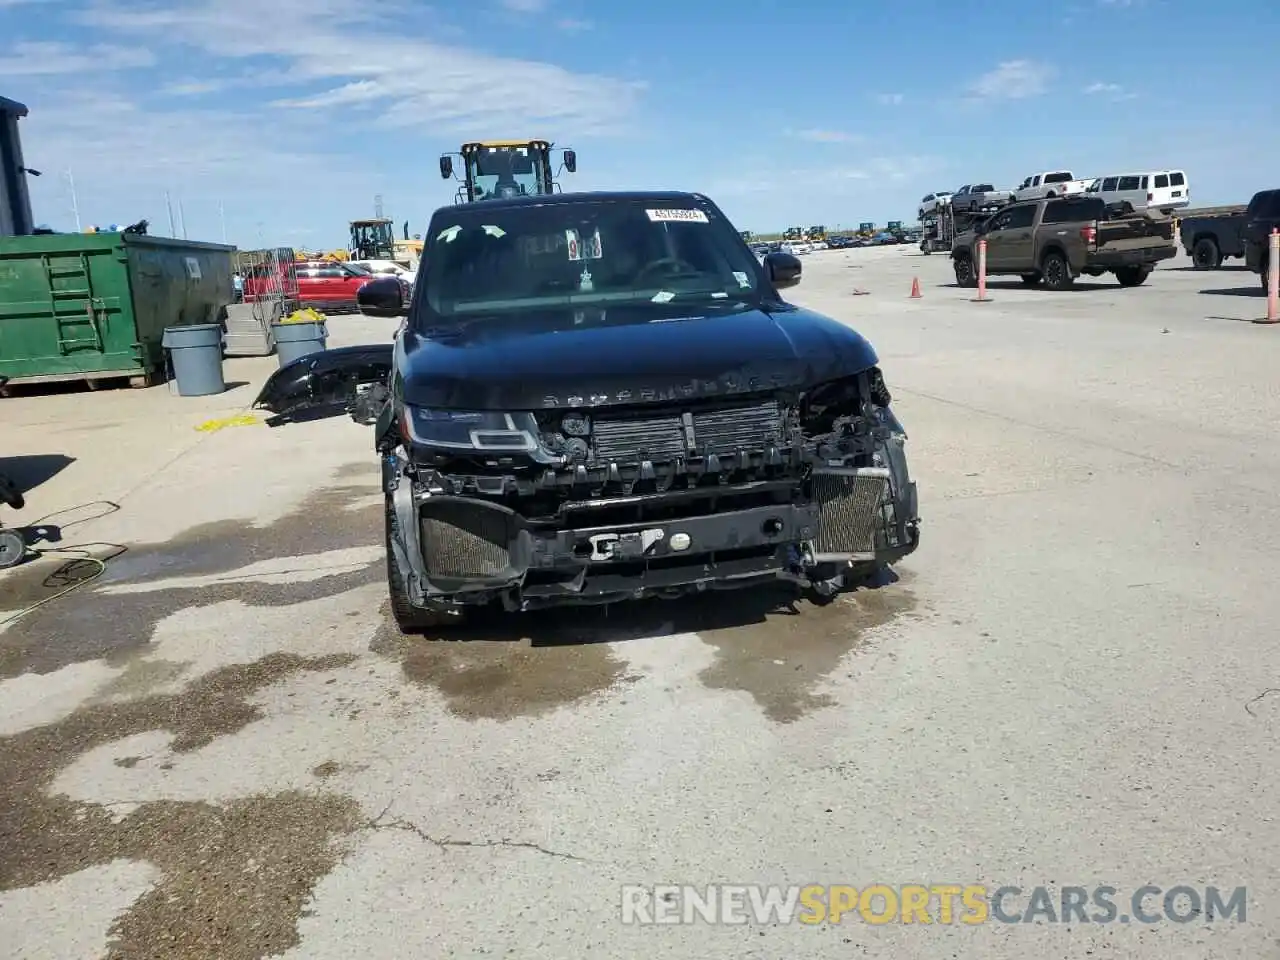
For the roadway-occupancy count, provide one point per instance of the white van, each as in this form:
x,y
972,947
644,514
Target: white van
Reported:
x,y
1157,189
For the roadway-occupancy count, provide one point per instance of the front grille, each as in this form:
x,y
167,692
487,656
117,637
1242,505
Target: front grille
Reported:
x,y
462,539
665,436
849,510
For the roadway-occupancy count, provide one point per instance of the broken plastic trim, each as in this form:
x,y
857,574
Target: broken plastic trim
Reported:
x,y
326,383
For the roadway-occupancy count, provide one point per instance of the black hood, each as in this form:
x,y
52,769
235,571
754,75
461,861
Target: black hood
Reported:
x,y
570,358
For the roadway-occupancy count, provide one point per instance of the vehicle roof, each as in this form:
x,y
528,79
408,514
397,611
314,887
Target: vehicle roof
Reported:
x,y
600,196
506,143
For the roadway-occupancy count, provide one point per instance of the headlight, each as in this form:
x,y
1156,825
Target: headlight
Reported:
x,y
472,430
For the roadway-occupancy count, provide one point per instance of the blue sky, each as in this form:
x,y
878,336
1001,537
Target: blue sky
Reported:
x,y
290,116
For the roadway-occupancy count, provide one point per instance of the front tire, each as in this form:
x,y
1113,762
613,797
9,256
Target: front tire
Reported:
x,y
1056,271
411,620
964,272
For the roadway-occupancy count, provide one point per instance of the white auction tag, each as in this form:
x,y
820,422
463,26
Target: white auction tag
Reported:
x,y
677,216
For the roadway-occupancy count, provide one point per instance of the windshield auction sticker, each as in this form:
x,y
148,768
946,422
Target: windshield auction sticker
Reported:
x,y
684,216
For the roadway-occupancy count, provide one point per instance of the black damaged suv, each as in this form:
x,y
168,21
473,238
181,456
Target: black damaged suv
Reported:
x,y
600,397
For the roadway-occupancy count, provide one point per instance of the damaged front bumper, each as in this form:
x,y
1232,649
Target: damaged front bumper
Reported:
x,y
457,550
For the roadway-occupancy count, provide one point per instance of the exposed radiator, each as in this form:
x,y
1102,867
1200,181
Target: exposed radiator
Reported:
x,y
464,540
666,436
849,511
639,438
738,428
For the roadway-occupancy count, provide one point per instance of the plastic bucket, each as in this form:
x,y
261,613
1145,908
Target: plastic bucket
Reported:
x,y
195,353
294,340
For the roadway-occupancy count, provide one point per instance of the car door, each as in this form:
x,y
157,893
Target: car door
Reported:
x,y
994,234
1129,190
1017,240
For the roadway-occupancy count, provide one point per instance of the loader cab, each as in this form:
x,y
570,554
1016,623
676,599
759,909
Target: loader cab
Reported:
x,y
500,168
372,240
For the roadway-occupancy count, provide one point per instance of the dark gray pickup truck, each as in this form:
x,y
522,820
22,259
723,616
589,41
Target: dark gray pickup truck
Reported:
x,y
1212,238
1051,242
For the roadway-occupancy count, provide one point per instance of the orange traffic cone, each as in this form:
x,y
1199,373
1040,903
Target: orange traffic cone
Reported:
x,y
915,288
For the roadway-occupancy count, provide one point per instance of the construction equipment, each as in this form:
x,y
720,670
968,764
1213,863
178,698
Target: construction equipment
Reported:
x,y
817,234
506,168
372,240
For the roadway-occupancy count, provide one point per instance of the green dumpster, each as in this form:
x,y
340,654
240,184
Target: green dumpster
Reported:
x,y
84,306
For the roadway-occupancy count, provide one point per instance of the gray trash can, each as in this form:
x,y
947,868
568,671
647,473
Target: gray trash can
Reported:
x,y
294,340
195,353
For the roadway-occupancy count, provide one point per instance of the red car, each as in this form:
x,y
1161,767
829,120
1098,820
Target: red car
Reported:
x,y
330,286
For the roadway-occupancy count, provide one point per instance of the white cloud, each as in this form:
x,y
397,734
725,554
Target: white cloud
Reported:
x,y
31,59
264,107
343,54
889,99
525,6
1113,91
572,25
826,136
1012,80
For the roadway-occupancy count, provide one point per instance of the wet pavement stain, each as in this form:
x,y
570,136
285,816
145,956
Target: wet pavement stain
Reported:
x,y
534,662
90,624
496,669
235,879
782,658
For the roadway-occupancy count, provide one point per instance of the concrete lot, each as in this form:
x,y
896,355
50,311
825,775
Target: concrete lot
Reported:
x,y
220,749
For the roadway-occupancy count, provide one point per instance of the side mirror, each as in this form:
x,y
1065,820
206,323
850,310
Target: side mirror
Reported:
x,y
381,297
783,269
571,161
446,167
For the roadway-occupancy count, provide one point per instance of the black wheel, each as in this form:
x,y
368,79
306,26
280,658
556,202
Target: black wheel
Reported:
x,y
1050,195
1206,255
964,272
1132,276
10,494
13,548
409,618
1056,271
1031,279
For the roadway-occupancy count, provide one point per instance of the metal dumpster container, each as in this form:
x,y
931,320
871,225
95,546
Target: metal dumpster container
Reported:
x,y
85,306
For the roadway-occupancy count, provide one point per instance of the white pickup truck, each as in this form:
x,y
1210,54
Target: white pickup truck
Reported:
x,y
1053,183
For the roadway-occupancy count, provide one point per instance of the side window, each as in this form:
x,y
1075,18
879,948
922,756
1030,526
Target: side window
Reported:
x,y
1109,183
1162,181
330,273
1020,217
1128,183
1074,210
1176,179
998,223
1059,177
1057,211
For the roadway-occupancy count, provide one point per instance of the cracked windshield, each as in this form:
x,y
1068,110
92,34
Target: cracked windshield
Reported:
x,y
452,508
